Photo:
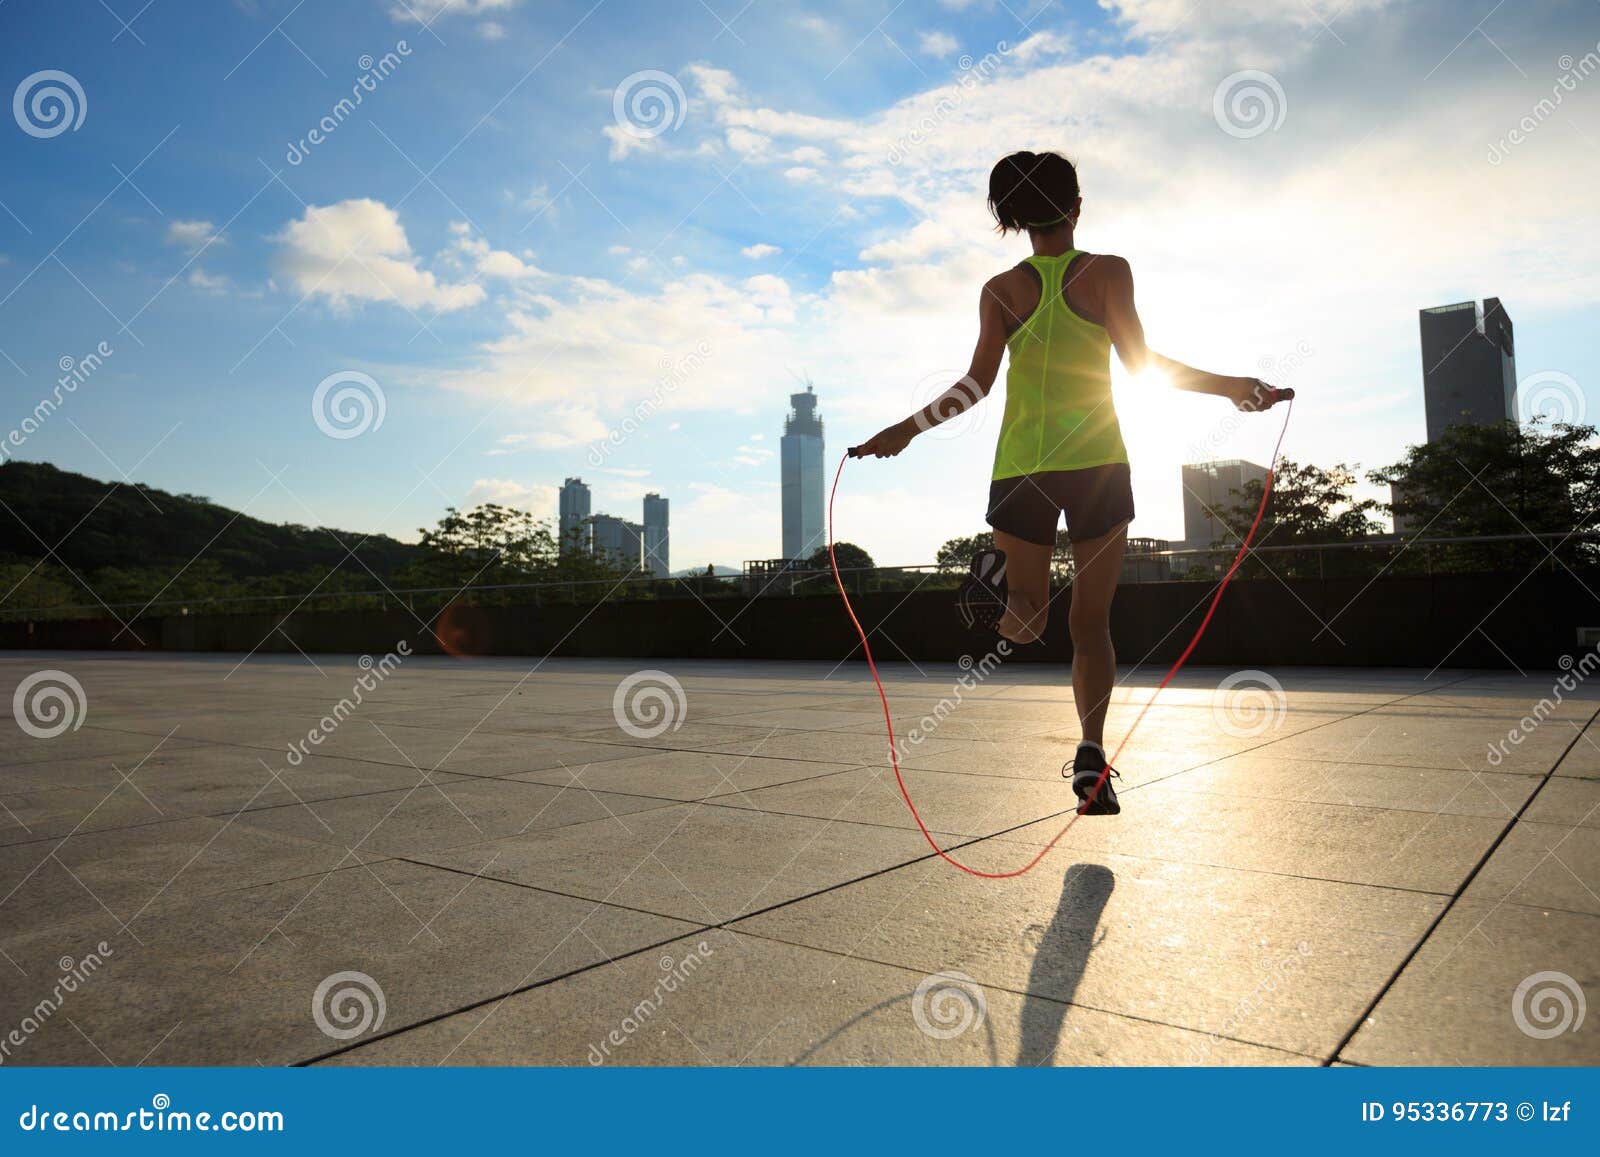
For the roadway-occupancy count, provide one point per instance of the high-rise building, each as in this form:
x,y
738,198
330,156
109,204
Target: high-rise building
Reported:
x,y
801,460
1208,491
655,535
1469,365
618,538
574,515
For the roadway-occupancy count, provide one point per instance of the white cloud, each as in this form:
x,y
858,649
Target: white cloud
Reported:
x,y
491,30
540,500
427,11
759,250
206,283
477,254
192,235
816,25
624,142
357,250
937,43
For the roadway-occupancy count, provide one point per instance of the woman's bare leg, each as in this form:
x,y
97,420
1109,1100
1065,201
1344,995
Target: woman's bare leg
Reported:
x,y
1027,587
1097,565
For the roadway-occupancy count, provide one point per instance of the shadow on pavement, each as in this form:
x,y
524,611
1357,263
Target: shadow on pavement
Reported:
x,y
1061,954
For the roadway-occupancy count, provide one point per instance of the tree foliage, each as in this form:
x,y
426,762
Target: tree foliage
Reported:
x,y
1500,480
850,556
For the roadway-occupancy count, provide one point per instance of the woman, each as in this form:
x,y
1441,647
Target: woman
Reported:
x,y
1058,313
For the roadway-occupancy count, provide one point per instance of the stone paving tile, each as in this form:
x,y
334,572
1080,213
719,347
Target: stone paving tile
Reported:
x,y
202,781
684,775
716,998
1274,960
1566,801
971,805
1419,740
1544,866
436,816
121,873
1392,849
231,979
1454,1004
1263,775
18,750
707,864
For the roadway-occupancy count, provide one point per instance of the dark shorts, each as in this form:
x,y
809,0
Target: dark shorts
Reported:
x,y
1096,501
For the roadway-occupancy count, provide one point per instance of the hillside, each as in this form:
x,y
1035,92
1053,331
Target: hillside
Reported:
x,y
128,528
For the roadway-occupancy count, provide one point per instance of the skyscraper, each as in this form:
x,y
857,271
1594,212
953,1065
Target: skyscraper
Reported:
x,y
801,461
1469,365
574,515
1208,487
655,535
619,539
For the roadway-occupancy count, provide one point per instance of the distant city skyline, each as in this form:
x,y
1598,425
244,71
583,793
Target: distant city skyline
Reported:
x,y
643,545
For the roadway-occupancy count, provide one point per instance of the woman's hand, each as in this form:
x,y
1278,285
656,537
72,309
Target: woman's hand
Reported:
x,y
1252,395
889,441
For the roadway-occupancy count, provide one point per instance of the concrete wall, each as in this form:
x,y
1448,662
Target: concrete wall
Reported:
x,y
1406,622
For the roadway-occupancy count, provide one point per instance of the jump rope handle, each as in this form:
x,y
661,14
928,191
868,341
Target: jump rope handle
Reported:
x,y
853,452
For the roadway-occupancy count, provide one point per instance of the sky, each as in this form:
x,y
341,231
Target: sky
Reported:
x,y
351,262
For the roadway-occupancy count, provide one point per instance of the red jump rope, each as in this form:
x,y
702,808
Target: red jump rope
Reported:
x,y
1277,395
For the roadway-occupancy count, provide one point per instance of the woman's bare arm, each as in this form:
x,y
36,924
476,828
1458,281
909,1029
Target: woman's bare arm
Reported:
x,y
1127,335
964,394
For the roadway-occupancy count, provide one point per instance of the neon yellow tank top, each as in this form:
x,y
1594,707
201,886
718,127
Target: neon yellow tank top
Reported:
x,y
1058,412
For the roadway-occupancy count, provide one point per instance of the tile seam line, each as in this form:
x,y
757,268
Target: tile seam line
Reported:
x,y
1450,905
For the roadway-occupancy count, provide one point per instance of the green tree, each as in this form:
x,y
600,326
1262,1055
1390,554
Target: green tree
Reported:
x,y
485,545
1502,479
956,554
1309,505
850,556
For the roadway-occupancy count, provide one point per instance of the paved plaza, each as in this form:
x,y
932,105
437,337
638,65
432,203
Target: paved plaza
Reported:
x,y
205,860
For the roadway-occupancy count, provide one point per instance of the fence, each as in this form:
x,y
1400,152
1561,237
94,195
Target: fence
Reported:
x,y
1390,555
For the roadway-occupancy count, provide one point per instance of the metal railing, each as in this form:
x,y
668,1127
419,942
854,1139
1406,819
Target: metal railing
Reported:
x,y
1358,558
